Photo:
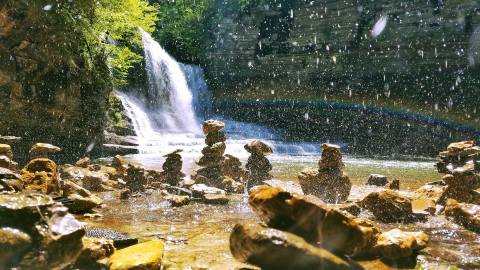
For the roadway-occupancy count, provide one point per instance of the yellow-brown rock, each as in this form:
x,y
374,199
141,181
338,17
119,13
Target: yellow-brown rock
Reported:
x,y
145,256
41,150
94,249
6,150
40,175
465,214
396,244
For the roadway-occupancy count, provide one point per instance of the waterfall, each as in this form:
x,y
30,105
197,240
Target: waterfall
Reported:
x,y
168,94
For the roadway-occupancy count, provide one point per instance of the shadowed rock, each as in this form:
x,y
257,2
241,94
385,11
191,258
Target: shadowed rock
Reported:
x,y
465,214
120,239
274,249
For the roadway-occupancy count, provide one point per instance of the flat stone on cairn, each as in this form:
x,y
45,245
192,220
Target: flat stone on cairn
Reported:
x,y
172,168
460,162
329,182
41,150
258,165
212,159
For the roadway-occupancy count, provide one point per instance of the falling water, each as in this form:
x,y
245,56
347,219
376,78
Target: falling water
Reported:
x,y
168,92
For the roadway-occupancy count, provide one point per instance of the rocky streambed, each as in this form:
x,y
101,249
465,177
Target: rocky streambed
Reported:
x,y
342,213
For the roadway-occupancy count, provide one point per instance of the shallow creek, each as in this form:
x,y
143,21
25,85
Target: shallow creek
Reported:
x,y
197,235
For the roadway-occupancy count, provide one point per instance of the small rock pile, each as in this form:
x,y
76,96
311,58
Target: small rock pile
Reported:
x,y
172,168
258,165
329,182
461,164
301,227
212,159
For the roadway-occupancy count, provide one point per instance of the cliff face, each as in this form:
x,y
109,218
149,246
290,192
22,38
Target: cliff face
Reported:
x,y
46,92
422,51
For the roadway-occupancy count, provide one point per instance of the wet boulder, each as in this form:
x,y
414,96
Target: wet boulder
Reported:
x,y
396,244
274,249
465,214
22,211
310,218
147,255
78,199
13,244
42,150
94,249
425,198
388,206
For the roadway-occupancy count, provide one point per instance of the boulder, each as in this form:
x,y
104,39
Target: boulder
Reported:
x,y
210,126
42,150
465,214
94,249
310,218
396,244
6,150
425,198
147,255
215,199
332,186
78,199
120,239
258,147
84,162
274,249
22,211
10,181
13,244
377,180
388,206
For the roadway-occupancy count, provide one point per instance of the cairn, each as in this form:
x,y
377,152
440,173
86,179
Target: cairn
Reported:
x,y
212,159
329,182
258,165
172,168
461,163
135,178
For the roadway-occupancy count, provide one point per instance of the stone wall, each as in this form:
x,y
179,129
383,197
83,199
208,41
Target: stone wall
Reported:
x,y
427,52
47,93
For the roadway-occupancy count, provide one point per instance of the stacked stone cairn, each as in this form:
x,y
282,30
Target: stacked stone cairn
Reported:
x,y
258,165
329,182
172,168
212,160
461,163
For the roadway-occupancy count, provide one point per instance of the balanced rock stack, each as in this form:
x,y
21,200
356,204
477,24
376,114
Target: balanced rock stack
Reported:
x,y
212,159
329,182
232,167
258,165
172,168
461,163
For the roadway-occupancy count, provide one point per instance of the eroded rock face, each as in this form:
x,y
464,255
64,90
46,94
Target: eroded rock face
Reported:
x,y
41,175
329,182
274,249
147,255
465,214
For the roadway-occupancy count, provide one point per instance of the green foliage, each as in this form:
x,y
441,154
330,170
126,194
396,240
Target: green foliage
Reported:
x,y
181,26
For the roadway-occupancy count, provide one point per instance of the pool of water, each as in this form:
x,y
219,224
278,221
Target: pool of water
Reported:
x,y
197,234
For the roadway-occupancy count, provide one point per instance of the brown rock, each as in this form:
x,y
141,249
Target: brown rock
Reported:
x,y
377,180
6,150
331,157
215,137
396,244
394,184
388,206
465,214
332,186
273,249
178,200
78,199
215,199
425,198
210,126
9,139
41,150
10,181
94,249
459,146
216,149
84,162
258,147
13,243
40,175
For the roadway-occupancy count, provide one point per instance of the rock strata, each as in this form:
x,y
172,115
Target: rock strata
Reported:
x,y
172,168
258,166
329,182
